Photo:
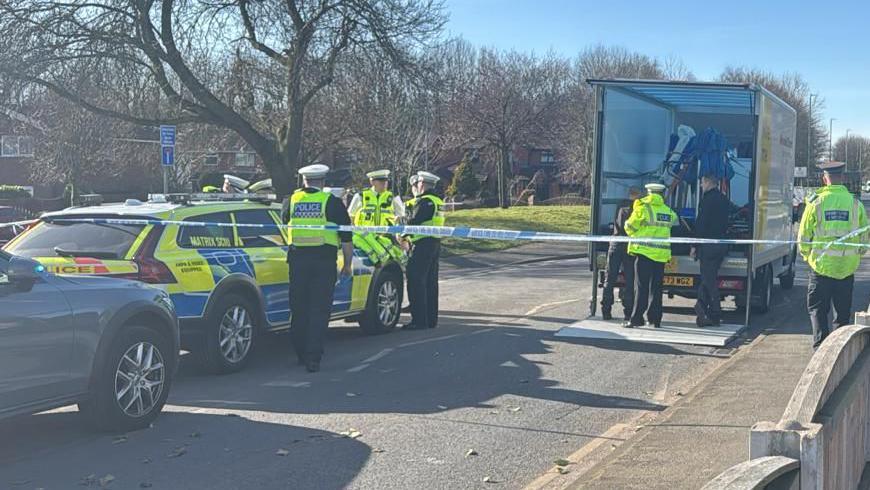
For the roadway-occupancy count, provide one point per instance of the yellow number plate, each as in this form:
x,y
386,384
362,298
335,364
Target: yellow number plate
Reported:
x,y
680,281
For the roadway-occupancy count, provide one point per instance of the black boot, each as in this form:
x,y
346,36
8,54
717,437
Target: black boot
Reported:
x,y
606,315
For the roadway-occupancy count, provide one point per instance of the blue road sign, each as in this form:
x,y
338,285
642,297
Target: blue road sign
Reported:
x,y
168,156
167,135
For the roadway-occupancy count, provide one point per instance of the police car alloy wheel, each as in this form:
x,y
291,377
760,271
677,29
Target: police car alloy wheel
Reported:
x,y
388,303
235,334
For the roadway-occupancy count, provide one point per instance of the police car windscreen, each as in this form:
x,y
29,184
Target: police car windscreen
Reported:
x,y
76,240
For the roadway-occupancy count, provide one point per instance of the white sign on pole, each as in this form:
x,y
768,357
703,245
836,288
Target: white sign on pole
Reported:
x,y
800,172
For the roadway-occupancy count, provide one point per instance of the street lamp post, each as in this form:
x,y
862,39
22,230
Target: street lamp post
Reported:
x,y
810,132
847,149
831,139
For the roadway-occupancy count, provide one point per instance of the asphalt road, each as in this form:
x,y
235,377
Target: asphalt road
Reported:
x,y
491,380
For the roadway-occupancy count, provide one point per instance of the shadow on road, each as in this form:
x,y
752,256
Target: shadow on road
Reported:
x,y
466,363
181,451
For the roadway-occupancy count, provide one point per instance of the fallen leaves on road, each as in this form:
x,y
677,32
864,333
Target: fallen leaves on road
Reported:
x,y
562,470
106,481
282,452
88,480
177,452
489,479
119,440
471,452
679,393
351,395
561,462
515,409
378,450
194,435
351,434
146,461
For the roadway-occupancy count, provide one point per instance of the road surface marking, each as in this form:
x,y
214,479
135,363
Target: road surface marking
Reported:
x,y
430,340
538,308
288,384
378,355
357,369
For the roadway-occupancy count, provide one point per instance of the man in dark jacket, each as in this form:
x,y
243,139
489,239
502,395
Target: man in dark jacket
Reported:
x,y
617,257
712,222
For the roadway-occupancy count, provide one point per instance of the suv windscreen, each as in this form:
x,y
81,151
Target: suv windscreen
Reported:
x,y
76,240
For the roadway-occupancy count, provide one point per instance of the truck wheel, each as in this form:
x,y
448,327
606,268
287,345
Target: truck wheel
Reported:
x,y
132,386
786,281
764,285
384,305
230,331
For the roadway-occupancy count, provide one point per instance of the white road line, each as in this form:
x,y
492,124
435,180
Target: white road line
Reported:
x,y
378,356
288,384
357,369
427,341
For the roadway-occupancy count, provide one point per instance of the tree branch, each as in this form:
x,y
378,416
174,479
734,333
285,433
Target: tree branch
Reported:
x,y
252,35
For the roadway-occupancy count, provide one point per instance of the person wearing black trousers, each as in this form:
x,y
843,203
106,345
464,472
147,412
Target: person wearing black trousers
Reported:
x,y
618,258
426,209
312,259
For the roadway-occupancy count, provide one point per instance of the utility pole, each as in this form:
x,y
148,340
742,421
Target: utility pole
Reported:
x,y
831,140
810,132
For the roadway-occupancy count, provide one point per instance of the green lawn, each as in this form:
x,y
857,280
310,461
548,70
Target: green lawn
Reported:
x,y
554,219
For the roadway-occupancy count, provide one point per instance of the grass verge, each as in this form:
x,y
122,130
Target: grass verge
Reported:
x,y
553,219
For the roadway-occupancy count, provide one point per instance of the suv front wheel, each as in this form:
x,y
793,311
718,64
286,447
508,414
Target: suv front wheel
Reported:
x,y
132,385
230,330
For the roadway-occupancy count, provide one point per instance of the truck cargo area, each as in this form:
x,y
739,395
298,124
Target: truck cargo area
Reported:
x,y
675,132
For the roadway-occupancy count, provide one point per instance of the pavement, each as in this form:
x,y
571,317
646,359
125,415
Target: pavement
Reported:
x,y
708,430
490,399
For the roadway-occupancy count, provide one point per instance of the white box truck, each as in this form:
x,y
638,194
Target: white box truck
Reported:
x,y
641,135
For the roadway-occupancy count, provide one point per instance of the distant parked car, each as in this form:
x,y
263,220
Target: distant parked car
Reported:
x,y
109,345
9,215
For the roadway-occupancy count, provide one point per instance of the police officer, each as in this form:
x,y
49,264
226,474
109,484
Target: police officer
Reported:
x,y
312,258
422,271
831,215
650,218
376,206
712,222
618,258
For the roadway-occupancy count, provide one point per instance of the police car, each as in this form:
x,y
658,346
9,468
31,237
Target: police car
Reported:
x,y
228,284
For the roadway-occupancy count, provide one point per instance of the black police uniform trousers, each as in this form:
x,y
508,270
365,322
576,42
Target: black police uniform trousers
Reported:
x,y
312,286
422,272
821,292
618,258
648,278
711,256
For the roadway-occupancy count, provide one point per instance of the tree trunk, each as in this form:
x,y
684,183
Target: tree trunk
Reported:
x,y
504,162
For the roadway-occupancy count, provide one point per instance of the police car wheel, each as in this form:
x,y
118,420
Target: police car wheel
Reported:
x,y
384,306
231,328
133,383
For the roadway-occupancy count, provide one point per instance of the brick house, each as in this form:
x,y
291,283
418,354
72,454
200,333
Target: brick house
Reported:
x,y
17,133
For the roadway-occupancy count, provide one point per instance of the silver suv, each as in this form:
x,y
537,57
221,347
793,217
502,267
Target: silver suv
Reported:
x,y
109,345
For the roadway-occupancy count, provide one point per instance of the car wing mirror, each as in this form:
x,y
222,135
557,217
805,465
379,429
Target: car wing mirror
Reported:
x,y
23,272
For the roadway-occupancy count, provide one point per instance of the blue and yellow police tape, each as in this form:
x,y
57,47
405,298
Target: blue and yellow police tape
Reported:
x,y
463,232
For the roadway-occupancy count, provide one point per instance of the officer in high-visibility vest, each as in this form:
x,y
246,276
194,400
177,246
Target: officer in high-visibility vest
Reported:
x,y
422,270
376,206
312,257
832,219
650,218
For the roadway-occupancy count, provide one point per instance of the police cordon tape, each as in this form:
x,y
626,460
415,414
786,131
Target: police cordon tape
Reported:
x,y
460,232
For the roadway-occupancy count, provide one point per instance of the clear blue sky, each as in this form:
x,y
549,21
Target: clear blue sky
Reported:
x,y
828,42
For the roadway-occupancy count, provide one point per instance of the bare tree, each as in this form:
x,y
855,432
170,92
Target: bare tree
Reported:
x,y
857,157
182,50
509,99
